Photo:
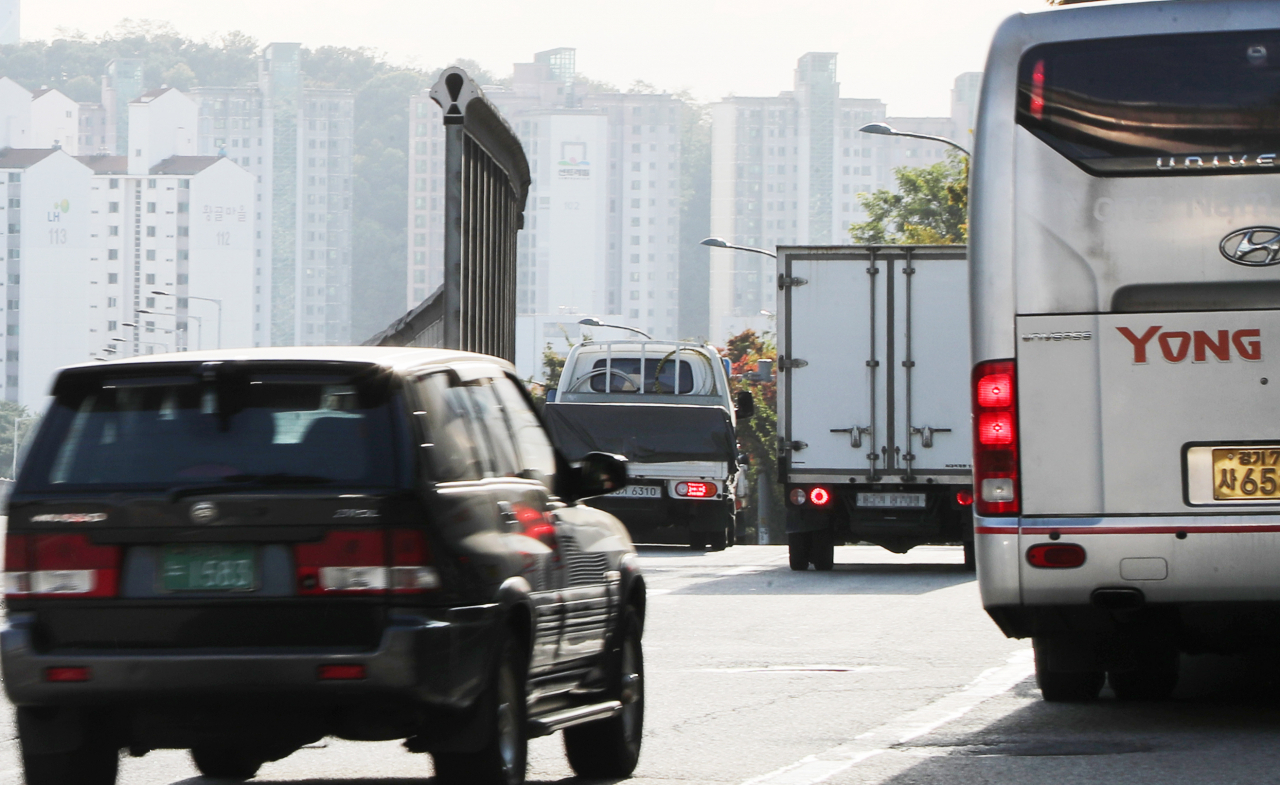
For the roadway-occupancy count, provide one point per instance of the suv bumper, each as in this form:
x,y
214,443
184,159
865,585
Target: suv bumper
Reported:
x,y
418,658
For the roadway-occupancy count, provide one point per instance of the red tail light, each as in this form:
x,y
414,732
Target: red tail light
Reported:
x,y
995,439
64,675
820,496
1058,555
60,565
359,562
341,672
1037,90
696,490
964,498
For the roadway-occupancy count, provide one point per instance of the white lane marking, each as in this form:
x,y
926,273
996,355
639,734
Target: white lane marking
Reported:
x,y
817,768
790,669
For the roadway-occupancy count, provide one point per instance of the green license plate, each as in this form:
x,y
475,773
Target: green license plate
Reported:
x,y
209,568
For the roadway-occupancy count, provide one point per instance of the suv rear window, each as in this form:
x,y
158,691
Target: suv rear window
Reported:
x,y
169,432
1202,103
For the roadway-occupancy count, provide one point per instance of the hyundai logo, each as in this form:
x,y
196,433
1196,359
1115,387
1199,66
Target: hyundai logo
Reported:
x,y
1256,246
204,512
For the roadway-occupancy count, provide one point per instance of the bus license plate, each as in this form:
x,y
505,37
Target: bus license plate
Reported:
x,y
899,500
209,568
1246,473
640,492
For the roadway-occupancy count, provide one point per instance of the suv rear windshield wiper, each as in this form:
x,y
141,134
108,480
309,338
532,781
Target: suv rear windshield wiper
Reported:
x,y
236,482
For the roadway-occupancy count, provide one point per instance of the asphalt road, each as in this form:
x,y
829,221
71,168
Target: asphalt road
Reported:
x,y
882,671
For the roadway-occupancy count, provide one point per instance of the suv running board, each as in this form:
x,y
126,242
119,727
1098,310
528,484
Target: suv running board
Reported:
x,y
550,723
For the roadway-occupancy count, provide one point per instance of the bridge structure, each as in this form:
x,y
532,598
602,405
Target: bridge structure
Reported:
x,y
486,184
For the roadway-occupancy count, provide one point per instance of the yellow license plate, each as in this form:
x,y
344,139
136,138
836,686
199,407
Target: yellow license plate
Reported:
x,y
1246,472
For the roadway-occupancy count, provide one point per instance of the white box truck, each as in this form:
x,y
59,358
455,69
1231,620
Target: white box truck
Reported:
x,y
873,398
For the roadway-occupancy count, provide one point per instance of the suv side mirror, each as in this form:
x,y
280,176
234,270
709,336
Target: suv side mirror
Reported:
x,y
600,473
745,405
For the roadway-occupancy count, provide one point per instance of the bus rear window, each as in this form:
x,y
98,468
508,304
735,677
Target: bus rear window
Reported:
x,y
1203,103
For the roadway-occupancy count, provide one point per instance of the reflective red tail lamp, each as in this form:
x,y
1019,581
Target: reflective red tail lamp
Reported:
x,y
342,672
995,439
65,675
1055,555
820,496
695,490
366,562
964,498
59,565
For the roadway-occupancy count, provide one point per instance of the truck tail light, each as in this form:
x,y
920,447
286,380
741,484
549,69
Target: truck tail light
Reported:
x,y
964,497
1060,555
366,562
696,490
995,439
798,496
60,565
820,496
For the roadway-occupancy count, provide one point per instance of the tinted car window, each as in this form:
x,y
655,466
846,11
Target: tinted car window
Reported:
x,y
448,425
537,457
1145,105
489,413
146,433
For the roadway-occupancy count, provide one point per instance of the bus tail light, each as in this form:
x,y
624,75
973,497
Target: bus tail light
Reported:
x,y
995,439
1055,555
60,565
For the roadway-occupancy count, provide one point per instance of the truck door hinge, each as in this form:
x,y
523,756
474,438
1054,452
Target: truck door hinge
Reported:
x,y
784,445
787,363
856,433
873,363
787,280
926,434
908,271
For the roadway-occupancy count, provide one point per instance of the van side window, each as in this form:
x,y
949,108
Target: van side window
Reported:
x,y
488,409
537,456
446,418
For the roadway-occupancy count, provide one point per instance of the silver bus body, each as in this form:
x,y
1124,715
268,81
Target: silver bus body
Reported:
x,y
1131,280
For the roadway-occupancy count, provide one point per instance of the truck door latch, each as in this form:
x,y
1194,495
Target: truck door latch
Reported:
x,y
926,434
855,434
784,445
787,363
786,280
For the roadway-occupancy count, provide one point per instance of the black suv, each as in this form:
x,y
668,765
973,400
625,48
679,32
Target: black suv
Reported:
x,y
242,552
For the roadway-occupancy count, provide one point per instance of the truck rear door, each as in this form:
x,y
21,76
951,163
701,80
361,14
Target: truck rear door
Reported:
x,y
874,359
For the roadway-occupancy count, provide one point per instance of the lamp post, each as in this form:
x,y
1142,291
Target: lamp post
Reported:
x,y
884,129
13,470
199,323
719,242
590,322
216,302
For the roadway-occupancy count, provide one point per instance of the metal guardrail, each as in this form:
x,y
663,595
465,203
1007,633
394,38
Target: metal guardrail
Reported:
x,y
486,183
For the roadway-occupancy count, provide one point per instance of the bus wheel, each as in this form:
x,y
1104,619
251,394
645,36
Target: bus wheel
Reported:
x,y
1064,686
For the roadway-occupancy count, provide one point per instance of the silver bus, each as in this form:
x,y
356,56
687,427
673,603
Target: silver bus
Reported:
x,y
1125,304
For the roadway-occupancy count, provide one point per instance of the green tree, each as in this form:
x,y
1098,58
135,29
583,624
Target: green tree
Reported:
x,y
758,437
931,206
11,414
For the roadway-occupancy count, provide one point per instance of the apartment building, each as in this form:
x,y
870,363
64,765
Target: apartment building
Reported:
x,y
787,170
602,223
297,142
45,118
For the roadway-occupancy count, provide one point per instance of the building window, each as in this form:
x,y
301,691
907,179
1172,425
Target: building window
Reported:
x,y
151,231
151,256
151,327
184,231
184,183
151,302
111,327
111,302
113,183
113,231
112,207
113,253
183,207
151,281
113,278
151,207
151,183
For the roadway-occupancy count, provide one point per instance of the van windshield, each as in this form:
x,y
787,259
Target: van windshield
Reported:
x,y
1202,103
173,432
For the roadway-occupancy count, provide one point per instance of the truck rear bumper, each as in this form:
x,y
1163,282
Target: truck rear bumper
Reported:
x,y
418,659
1171,560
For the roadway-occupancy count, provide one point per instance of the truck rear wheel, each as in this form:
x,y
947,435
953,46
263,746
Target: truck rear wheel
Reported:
x,y
798,550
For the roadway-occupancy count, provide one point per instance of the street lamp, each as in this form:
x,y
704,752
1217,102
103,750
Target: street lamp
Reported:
x,y
590,322
884,129
718,242
216,302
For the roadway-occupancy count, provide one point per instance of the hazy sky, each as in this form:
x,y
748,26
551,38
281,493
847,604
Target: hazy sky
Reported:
x,y
905,52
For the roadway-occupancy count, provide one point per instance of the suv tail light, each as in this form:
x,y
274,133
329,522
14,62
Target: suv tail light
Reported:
x,y
359,562
995,439
60,565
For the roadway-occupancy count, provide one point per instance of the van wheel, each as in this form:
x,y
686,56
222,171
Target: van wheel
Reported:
x,y
798,550
1143,685
970,557
611,748
45,762
227,763
503,759
822,550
